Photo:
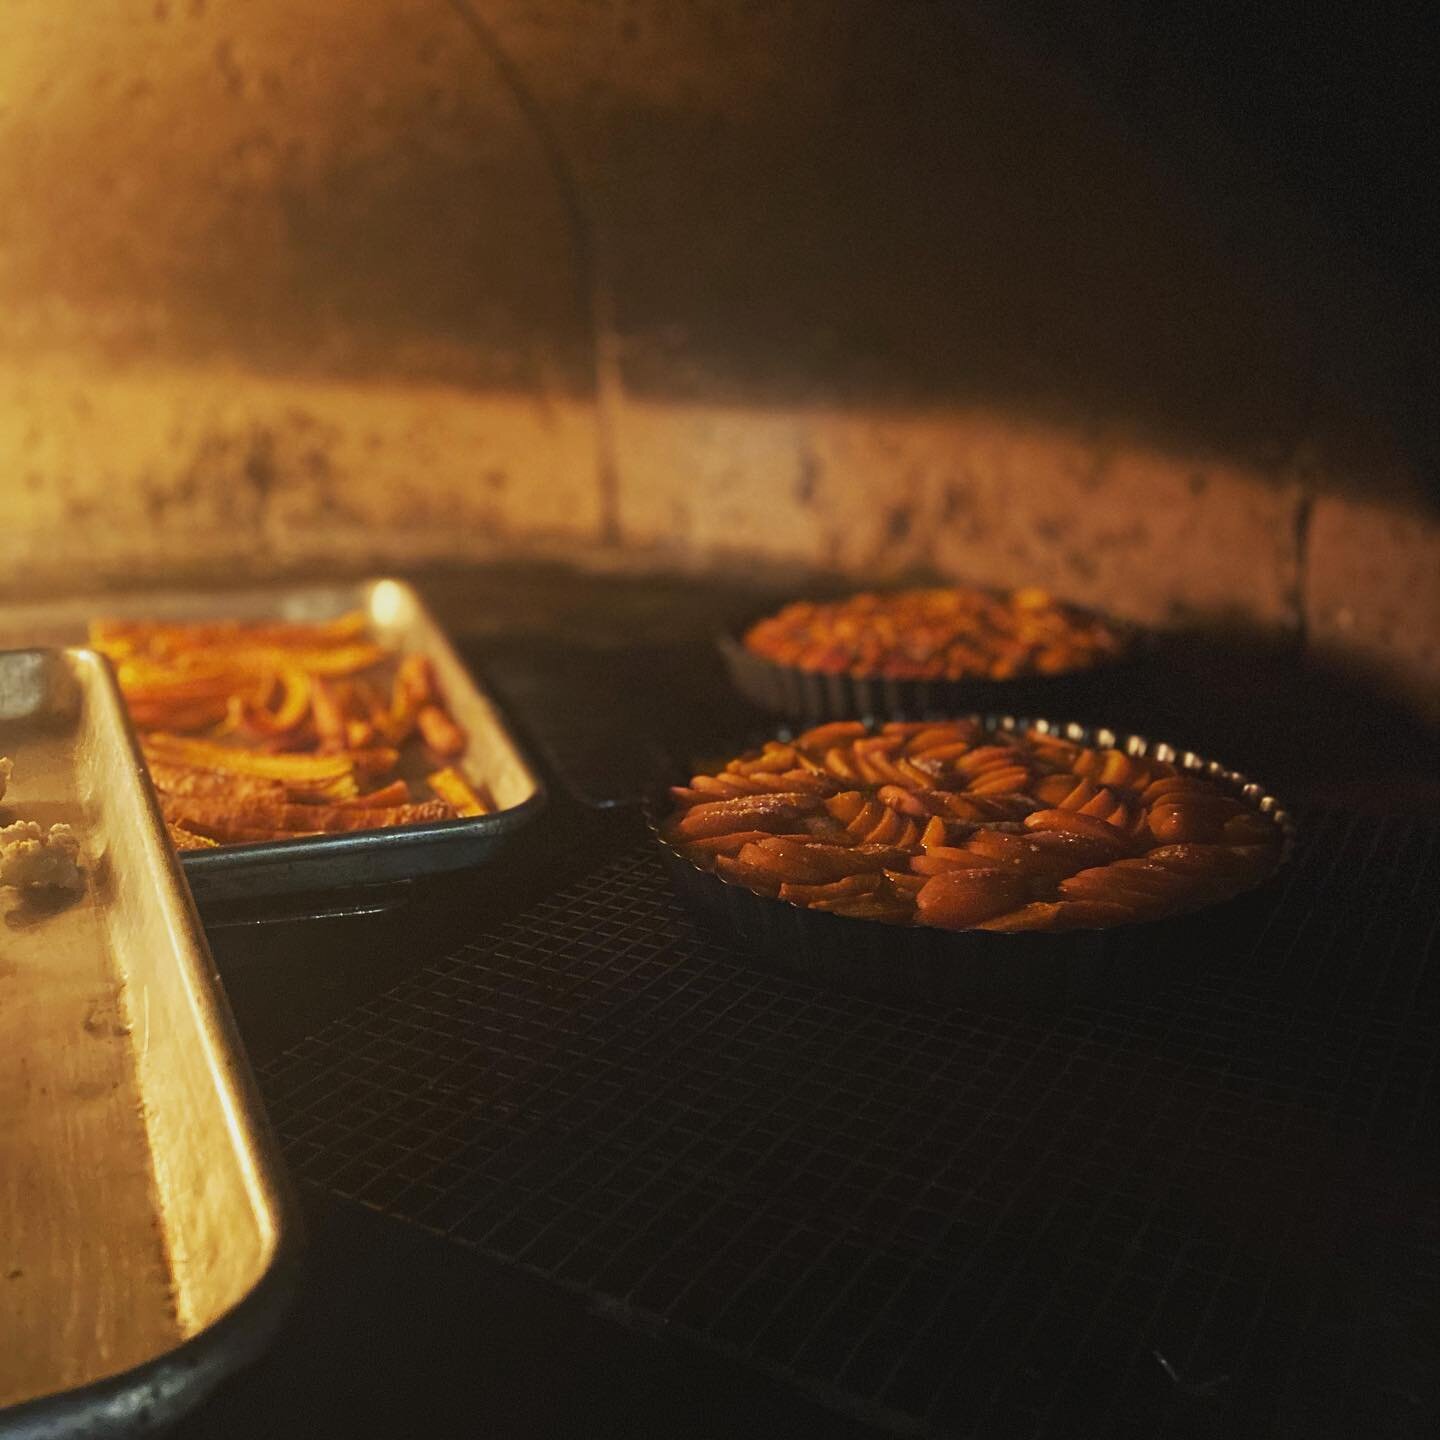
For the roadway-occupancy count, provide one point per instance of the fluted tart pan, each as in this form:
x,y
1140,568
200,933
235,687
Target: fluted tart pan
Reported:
x,y
919,962
812,697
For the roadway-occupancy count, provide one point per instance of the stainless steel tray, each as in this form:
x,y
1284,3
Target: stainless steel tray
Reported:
x,y
146,1244
332,862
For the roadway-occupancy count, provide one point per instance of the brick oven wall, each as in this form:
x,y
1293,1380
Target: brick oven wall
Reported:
x,y
822,286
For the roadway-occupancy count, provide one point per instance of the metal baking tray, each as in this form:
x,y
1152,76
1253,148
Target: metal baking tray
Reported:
x,y
918,962
147,1245
328,863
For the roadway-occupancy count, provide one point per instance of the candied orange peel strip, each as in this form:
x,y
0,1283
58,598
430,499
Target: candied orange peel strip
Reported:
x,y
451,786
440,733
289,715
397,792
332,775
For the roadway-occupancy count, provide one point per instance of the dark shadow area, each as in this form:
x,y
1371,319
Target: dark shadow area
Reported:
x,y
38,907
1328,105
1304,130
397,1333
285,977
961,225
1198,226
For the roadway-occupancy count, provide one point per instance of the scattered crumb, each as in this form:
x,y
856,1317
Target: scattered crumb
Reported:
x,y
31,858
36,859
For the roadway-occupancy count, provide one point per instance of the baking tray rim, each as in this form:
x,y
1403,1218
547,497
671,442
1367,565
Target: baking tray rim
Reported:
x,y
175,1382
393,838
1251,791
155,1392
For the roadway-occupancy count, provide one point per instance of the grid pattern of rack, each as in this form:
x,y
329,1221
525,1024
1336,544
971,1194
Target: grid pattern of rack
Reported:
x,y
1210,1211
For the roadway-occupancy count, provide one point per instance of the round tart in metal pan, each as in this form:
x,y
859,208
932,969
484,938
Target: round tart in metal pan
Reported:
x,y
813,697
919,962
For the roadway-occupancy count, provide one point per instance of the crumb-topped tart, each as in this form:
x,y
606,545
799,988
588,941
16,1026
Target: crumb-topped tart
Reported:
x,y
954,825
953,633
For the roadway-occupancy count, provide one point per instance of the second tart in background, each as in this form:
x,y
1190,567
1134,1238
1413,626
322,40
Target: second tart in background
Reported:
x,y
904,653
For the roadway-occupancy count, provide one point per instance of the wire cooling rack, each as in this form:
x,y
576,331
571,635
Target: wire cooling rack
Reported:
x,y
1207,1212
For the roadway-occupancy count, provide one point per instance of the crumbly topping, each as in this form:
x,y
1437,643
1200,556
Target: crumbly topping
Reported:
x,y
32,858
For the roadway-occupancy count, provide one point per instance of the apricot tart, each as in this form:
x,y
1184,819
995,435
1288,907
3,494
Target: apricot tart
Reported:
x,y
956,633
911,652
967,825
